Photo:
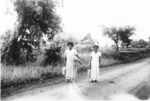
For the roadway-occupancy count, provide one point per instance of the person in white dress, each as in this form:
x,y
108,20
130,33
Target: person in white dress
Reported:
x,y
70,56
95,63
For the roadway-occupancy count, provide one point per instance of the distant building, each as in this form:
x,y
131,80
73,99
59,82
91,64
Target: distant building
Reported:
x,y
87,40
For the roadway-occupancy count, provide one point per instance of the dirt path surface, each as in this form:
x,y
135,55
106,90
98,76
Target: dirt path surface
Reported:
x,y
123,81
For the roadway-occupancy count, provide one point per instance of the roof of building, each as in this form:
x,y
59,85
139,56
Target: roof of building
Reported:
x,y
87,38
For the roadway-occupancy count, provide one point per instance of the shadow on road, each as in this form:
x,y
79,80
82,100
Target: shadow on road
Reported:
x,y
143,92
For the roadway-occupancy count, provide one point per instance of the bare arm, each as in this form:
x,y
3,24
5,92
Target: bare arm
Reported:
x,y
90,62
99,61
65,61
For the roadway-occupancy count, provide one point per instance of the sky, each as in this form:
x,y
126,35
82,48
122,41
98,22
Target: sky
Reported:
x,y
7,20
81,17
88,16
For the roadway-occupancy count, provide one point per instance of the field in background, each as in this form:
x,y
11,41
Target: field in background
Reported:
x,y
13,76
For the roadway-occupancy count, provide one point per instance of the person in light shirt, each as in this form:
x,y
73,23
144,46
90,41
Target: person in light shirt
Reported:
x,y
95,63
70,57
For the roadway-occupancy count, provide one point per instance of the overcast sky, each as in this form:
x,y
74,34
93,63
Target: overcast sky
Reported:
x,y
87,16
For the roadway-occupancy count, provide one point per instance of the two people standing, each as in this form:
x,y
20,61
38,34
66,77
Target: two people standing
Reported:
x,y
71,55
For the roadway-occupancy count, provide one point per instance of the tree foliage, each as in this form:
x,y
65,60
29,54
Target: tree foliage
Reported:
x,y
62,40
119,35
125,34
139,44
113,34
35,18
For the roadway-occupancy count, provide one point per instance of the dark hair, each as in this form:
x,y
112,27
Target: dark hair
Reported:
x,y
70,43
96,46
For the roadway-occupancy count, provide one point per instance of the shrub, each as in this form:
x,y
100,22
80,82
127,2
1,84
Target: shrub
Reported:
x,y
52,56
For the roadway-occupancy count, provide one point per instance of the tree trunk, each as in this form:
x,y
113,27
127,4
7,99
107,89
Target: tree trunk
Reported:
x,y
117,49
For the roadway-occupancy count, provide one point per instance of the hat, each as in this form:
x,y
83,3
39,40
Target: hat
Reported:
x,y
70,43
96,46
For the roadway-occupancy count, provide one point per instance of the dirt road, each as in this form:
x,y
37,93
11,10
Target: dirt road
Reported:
x,y
123,81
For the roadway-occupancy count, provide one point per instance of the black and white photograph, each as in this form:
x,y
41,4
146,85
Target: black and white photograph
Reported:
x,y
75,50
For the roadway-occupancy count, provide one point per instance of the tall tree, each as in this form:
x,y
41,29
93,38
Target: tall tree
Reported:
x,y
125,34
113,34
35,18
120,35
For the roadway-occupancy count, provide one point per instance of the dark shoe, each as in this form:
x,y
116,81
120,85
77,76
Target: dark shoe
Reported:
x,y
95,80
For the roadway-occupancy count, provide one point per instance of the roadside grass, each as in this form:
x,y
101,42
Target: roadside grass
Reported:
x,y
12,76
110,57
